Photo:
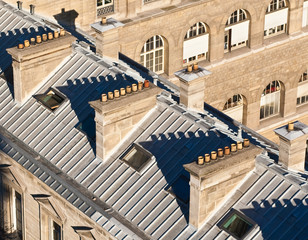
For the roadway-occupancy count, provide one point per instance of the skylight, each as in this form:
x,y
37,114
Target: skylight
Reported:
x,y
51,99
137,157
237,225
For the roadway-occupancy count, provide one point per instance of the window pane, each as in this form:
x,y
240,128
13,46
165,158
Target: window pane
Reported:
x,y
56,231
18,213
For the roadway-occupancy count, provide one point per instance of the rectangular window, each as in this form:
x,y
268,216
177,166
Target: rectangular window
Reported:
x,y
237,224
104,7
56,231
137,157
51,99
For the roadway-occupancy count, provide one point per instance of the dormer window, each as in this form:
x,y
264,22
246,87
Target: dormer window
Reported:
x,y
51,99
137,157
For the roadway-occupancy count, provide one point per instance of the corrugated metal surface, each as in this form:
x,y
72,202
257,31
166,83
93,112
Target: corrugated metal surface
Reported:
x,y
172,134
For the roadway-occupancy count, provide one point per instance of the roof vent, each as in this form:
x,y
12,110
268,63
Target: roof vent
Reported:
x,y
19,5
32,9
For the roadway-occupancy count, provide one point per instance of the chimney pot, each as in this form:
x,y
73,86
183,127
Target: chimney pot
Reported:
x,y
140,86
220,152
56,34
134,87
122,91
200,160
104,98
44,37
227,151
50,36
146,83
213,155
246,142
189,68
32,9
20,46
26,42
19,5
116,93
233,147
104,20
195,66
239,145
32,40
110,95
62,32
38,39
128,89
290,126
207,158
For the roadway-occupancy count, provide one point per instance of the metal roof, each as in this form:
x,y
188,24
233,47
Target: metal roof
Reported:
x,y
171,133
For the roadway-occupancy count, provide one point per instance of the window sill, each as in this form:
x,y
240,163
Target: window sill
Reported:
x,y
237,52
277,39
302,108
270,120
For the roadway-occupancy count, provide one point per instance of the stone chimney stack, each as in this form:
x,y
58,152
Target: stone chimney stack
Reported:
x,y
215,175
35,59
192,86
293,144
118,112
107,36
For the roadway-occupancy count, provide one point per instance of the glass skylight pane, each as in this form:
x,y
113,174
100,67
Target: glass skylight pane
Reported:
x,y
237,226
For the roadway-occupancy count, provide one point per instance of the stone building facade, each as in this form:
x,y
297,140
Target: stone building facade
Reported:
x,y
32,210
256,50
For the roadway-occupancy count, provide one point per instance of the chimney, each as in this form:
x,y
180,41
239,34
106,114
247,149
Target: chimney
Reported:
x,y
35,59
293,144
211,180
107,37
118,112
192,86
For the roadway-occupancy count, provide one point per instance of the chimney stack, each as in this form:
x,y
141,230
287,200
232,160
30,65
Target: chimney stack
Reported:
x,y
33,63
212,180
192,86
117,114
293,144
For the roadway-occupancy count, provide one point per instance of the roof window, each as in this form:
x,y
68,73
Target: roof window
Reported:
x,y
51,99
137,157
237,225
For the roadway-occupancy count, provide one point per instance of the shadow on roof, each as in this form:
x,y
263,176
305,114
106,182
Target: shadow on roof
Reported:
x,y
281,218
172,150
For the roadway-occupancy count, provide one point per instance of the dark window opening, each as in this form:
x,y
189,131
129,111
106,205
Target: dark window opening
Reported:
x,y
180,188
137,157
237,225
56,231
51,99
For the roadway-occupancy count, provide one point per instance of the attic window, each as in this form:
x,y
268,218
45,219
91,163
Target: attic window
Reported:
x,y
137,157
51,99
237,225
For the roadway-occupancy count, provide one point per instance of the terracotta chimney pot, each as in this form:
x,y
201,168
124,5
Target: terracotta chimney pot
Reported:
x,y
200,160
239,145
122,91
227,151
104,20
128,89
50,36
233,147
20,46
27,43
189,68
207,158
146,83
213,155
104,97
134,87
110,95
56,34
62,32
140,86
38,39
290,126
220,152
32,40
116,93
246,142
195,66
44,37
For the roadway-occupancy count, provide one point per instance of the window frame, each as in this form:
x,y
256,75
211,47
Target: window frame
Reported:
x,y
104,8
236,17
155,55
267,91
276,5
144,166
303,80
57,93
241,215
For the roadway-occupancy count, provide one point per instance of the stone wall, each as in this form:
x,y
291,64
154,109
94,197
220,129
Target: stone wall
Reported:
x,y
70,216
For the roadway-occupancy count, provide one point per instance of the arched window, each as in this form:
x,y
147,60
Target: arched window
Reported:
x,y
196,43
276,18
302,89
237,30
152,54
270,100
234,107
